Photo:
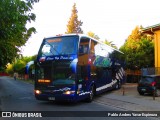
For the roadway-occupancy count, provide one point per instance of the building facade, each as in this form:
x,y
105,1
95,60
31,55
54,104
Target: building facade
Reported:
x,y
155,30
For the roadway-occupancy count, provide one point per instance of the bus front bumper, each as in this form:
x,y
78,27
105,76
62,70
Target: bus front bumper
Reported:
x,y
56,97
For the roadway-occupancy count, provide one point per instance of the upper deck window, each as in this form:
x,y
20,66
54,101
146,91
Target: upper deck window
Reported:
x,y
62,45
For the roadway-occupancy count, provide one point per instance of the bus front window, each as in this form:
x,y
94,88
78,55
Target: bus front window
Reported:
x,y
63,45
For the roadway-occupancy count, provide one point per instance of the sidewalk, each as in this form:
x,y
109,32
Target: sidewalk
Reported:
x,y
131,95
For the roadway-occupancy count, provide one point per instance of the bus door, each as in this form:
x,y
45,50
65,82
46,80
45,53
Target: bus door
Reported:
x,y
83,68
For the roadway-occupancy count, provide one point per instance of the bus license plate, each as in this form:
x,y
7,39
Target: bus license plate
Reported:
x,y
51,98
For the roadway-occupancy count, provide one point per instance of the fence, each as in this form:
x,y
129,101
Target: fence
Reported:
x,y
3,74
150,71
133,76
25,76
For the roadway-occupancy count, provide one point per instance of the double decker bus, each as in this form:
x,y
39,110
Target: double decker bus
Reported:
x,y
76,67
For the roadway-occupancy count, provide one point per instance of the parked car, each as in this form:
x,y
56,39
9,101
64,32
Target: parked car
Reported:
x,y
149,84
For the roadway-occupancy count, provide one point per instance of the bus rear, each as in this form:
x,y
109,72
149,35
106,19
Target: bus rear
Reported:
x,y
56,66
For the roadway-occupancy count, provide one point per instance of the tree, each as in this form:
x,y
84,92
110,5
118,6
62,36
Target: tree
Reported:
x,y
74,25
93,35
110,44
138,50
13,31
19,65
134,38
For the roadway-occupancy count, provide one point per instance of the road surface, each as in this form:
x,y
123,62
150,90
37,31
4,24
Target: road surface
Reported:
x,y
17,96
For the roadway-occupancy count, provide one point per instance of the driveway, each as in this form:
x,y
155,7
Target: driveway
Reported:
x,y
130,89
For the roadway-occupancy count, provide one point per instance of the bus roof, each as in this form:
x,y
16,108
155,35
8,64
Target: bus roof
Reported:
x,y
83,35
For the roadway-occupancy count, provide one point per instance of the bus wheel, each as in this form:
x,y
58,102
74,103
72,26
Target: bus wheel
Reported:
x,y
91,95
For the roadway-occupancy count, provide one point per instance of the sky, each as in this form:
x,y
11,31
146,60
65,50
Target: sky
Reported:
x,y
113,20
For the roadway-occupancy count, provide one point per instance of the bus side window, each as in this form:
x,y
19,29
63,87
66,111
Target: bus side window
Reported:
x,y
92,47
92,59
83,49
84,46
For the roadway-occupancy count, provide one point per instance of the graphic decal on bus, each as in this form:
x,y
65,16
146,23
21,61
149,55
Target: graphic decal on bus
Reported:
x,y
102,61
62,89
107,85
73,65
119,76
64,57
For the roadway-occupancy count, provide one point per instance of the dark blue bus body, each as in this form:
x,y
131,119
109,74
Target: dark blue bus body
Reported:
x,y
76,67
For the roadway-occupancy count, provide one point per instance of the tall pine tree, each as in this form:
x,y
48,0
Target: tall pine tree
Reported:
x,y
74,25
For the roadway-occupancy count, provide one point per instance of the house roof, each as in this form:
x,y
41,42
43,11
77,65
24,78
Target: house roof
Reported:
x,y
151,29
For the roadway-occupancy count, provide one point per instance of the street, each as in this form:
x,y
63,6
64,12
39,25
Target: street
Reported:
x,y
16,95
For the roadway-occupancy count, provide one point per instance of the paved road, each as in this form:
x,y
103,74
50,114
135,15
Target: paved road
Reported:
x,y
134,101
18,96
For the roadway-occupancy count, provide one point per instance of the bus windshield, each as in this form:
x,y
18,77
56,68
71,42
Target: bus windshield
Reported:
x,y
62,45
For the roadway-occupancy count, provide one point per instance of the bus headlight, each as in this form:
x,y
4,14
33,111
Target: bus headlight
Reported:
x,y
38,92
68,92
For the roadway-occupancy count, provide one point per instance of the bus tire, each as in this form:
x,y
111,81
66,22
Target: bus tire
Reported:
x,y
91,95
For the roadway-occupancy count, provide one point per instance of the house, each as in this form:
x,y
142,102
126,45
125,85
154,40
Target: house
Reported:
x,y
155,30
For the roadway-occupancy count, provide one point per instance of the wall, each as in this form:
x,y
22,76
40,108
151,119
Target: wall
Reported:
x,y
157,48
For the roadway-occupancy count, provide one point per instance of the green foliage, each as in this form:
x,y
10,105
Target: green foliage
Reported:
x,y
138,50
74,25
110,44
19,65
13,32
93,35
10,69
